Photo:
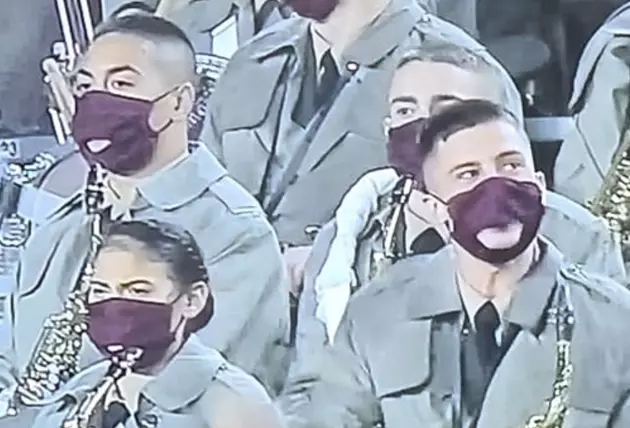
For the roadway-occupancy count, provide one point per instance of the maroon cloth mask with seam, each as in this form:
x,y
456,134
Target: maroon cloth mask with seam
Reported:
x,y
132,324
496,202
318,10
124,121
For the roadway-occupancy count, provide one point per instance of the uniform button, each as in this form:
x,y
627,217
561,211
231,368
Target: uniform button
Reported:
x,y
149,421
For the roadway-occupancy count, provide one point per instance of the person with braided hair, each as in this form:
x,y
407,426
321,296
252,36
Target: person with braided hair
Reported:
x,y
151,291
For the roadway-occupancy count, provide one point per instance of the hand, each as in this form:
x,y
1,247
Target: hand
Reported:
x,y
295,261
60,91
166,8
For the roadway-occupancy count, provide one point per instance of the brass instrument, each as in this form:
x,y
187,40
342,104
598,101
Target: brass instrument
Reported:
x,y
56,355
209,69
82,413
392,228
562,315
77,30
612,200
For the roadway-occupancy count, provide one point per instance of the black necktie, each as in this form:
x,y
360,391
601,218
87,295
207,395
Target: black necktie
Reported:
x,y
486,325
329,76
116,414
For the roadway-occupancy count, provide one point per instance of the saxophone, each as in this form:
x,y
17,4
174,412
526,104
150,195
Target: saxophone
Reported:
x,y
56,356
82,413
612,200
561,314
209,69
392,228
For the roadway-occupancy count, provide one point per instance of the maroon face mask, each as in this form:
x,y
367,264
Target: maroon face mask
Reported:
x,y
132,324
318,10
404,152
124,121
497,202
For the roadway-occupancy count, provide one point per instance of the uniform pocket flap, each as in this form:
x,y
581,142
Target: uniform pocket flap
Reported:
x,y
402,362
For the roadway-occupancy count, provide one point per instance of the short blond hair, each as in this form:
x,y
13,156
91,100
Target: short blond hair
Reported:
x,y
443,51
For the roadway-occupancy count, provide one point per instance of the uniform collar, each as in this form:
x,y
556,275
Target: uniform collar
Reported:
x,y
376,41
442,296
183,182
184,379
170,188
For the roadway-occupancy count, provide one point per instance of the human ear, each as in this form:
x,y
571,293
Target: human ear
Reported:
x,y
185,101
196,299
387,125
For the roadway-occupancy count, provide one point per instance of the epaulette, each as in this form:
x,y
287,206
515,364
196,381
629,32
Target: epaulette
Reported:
x,y
233,196
595,284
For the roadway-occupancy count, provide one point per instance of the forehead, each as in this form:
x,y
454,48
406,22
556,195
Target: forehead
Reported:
x,y
117,265
479,144
424,79
113,50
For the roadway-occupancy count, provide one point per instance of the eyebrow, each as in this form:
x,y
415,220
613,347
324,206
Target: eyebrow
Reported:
x,y
462,166
136,282
127,284
509,153
108,73
404,99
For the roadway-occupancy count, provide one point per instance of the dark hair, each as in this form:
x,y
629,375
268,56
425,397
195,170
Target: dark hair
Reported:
x,y
150,27
448,115
138,6
169,244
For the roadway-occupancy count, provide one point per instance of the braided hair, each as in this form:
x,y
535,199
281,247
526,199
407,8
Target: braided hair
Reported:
x,y
171,245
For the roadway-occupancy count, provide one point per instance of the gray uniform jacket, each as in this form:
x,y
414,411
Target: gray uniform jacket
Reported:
x,y
393,361
580,236
250,118
246,271
600,99
184,394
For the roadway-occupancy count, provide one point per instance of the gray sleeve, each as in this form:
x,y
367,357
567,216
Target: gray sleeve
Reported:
x,y
8,371
210,134
248,281
332,388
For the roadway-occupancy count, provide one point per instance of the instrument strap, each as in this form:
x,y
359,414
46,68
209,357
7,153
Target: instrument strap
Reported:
x,y
290,173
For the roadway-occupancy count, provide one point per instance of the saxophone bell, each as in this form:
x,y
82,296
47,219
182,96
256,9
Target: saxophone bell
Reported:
x,y
56,356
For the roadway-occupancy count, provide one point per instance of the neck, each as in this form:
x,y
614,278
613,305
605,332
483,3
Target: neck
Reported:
x,y
491,281
171,144
345,24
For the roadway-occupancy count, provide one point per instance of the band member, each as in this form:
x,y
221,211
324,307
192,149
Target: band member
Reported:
x,y
345,252
133,95
600,105
210,23
443,341
150,293
309,124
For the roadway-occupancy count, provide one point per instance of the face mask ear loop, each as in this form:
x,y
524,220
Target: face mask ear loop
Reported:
x,y
158,99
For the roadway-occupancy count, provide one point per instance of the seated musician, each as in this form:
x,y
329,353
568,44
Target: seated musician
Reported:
x,y
449,340
150,292
344,250
599,104
133,95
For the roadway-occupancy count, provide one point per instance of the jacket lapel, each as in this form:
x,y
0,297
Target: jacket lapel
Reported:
x,y
529,365
528,369
369,85
335,125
